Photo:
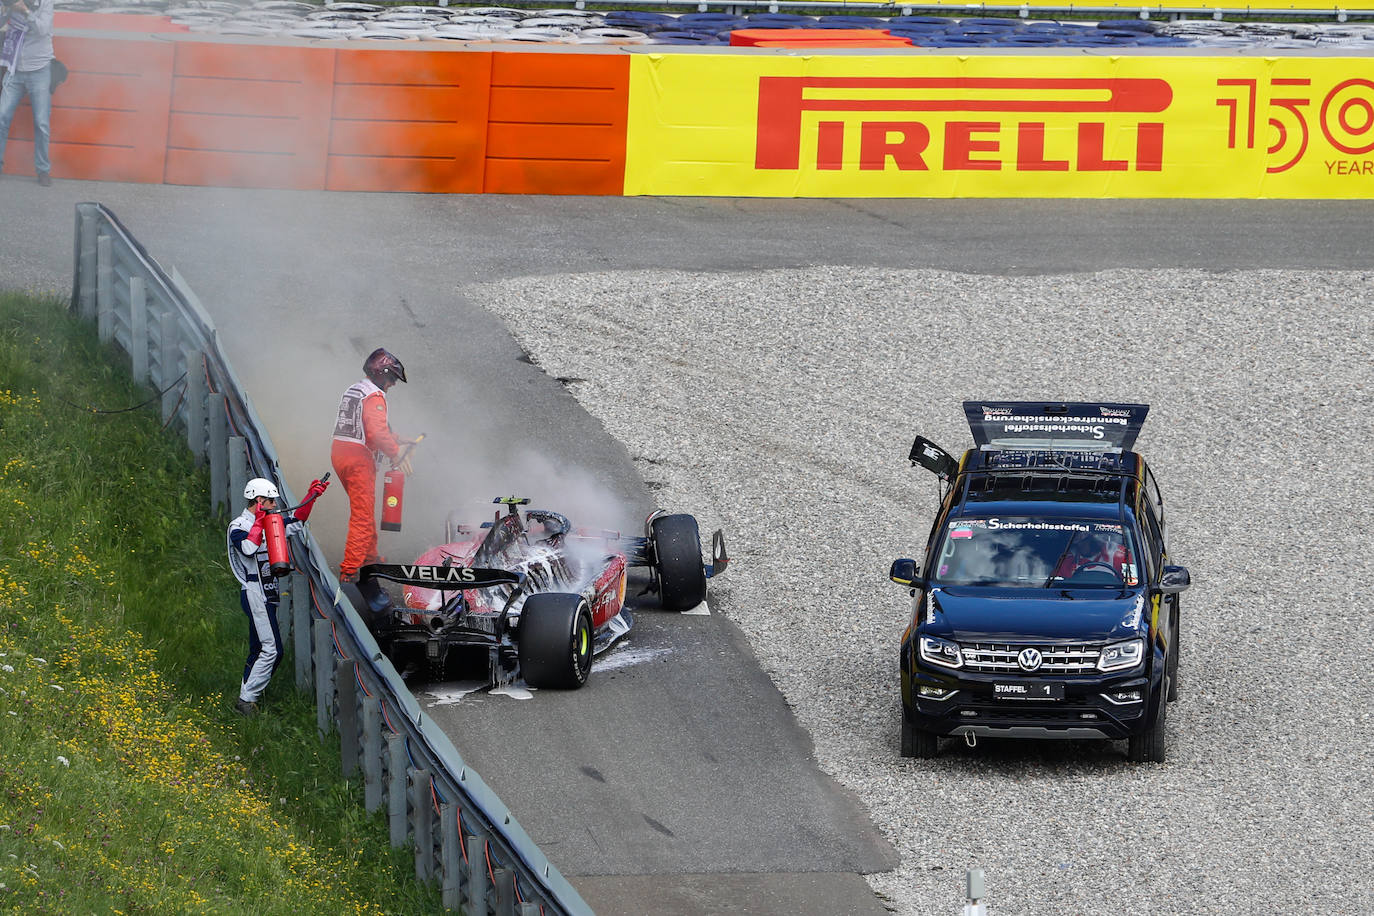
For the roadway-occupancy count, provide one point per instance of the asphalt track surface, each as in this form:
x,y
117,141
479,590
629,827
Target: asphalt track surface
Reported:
x,y
680,784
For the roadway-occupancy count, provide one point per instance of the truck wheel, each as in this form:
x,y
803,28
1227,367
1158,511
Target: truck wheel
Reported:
x,y
677,552
917,742
555,641
1148,746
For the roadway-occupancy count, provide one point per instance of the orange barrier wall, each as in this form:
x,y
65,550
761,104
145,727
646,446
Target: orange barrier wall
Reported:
x,y
251,116
557,123
409,122
237,114
109,120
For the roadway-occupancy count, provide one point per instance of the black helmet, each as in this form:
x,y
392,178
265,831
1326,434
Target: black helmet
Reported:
x,y
381,364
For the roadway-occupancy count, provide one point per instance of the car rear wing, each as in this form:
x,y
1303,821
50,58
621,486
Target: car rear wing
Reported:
x,y
440,578
1067,426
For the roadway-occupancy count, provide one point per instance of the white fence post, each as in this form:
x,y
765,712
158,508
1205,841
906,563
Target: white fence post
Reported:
x,y
974,891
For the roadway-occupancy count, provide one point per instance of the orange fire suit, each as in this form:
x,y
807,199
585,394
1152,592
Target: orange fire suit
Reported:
x,y
362,436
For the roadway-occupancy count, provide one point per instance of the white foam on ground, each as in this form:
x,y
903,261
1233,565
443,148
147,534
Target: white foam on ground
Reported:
x,y
701,610
451,692
625,657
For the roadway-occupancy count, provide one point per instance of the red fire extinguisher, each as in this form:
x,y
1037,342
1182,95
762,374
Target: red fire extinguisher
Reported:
x,y
274,529
278,553
393,491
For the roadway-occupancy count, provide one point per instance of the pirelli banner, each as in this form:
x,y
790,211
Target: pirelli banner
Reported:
x,y
946,125
1314,6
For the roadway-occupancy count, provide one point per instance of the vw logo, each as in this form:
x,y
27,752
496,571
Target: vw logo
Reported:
x,y
1029,659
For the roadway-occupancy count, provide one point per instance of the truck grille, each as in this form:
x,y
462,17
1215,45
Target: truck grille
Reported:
x,y
1001,657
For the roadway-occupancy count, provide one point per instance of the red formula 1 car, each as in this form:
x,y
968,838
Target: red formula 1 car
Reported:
x,y
529,595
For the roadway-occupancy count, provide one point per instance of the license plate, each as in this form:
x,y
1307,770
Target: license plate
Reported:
x,y
1028,690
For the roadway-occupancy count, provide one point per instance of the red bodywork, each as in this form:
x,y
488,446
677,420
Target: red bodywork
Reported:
x,y
579,561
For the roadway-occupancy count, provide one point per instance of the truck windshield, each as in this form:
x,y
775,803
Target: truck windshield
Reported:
x,y
1027,552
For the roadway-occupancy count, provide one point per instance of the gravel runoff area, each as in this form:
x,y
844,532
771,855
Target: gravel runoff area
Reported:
x,y
780,405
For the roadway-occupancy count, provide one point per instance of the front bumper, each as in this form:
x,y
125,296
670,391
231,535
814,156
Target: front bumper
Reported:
x,y
973,709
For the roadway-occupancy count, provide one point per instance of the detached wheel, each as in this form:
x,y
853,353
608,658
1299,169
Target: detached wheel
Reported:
x,y
1148,746
677,552
555,645
917,742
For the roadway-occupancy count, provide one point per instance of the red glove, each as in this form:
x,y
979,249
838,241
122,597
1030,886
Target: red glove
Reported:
x,y
317,487
254,535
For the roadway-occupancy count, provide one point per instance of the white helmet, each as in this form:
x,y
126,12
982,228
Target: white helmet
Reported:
x,y
260,486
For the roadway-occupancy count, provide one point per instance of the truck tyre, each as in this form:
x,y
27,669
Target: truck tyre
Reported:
x,y
677,560
1148,746
555,641
917,742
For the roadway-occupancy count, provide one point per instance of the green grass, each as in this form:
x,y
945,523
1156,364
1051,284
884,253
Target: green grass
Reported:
x,y
127,782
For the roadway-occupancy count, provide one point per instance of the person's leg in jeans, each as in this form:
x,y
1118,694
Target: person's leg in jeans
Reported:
x,y
39,84
10,97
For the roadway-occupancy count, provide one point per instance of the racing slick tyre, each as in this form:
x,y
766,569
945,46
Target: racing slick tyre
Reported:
x,y
1148,746
555,641
917,742
677,554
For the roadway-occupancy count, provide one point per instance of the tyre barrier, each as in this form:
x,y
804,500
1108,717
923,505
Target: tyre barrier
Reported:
x,y
464,838
348,21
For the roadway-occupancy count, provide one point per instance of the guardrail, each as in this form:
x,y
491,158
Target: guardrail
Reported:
x,y
463,836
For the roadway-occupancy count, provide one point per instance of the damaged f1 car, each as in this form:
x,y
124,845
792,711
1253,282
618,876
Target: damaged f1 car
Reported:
x,y
529,595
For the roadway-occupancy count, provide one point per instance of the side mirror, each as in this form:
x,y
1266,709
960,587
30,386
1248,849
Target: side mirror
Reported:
x,y
933,458
1174,579
905,572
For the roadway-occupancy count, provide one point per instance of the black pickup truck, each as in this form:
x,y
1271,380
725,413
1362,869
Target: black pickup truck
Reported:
x,y
1047,605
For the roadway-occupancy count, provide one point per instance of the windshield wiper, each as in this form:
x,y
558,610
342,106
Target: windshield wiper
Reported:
x,y
1055,568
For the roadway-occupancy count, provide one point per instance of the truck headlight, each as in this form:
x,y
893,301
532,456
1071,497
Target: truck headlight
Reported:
x,y
1120,655
941,652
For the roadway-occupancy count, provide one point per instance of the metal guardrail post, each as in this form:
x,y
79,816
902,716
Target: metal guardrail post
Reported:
x,y
138,328
169,351
86,265
291,593
398,799
218,446
422,814
505,891
322,631
196,391
300,627
372,753
236,450
475,900
450,856
345,677
104,291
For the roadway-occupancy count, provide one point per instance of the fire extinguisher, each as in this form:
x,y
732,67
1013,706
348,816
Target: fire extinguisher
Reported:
x,y
278,553
394,489
274,528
